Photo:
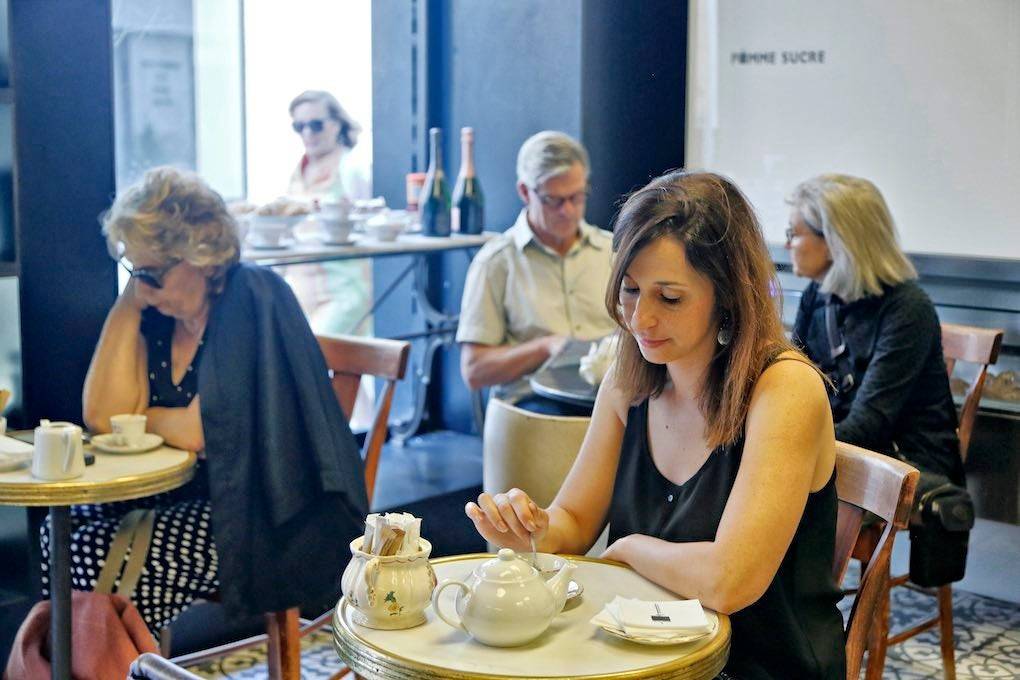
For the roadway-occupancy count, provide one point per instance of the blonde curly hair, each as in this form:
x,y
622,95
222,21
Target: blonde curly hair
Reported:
x,y
174,215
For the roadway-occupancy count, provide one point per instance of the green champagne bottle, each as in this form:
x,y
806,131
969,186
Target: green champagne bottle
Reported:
x,y
468,201
434,204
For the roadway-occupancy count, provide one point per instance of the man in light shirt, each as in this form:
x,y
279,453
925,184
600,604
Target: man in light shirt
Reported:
x,y
542,281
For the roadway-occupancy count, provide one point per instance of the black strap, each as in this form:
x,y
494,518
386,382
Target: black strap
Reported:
x,y
837,348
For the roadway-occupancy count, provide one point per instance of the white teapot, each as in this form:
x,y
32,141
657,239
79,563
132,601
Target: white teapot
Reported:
x,y
506,602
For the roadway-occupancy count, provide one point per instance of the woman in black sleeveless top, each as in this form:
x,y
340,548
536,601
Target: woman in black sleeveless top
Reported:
x,y
710,452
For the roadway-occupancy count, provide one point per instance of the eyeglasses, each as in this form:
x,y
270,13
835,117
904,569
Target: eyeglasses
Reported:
x,y
315,125
790,233
556,202
150,276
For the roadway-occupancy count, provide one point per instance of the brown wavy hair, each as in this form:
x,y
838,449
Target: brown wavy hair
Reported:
x,y
714,222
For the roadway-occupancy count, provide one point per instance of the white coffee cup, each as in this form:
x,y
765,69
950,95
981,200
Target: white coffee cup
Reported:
x,y
129,428
58,451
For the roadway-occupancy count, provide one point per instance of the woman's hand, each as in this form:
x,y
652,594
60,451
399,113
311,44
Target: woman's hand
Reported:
x,y
509,519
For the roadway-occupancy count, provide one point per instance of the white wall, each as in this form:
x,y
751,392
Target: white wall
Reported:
x,y
921,97
295,46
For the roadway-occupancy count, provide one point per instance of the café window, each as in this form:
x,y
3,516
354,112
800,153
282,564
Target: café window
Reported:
x,y
205,85
178,90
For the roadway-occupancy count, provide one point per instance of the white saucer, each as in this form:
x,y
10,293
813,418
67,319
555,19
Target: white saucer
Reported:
x,y
680,638
108,443
267,246
348,242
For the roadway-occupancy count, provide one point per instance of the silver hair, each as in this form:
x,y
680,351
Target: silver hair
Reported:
x,y
548,154
858,228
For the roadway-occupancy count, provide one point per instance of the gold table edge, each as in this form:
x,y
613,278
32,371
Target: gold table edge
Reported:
x,y
364,658
74,492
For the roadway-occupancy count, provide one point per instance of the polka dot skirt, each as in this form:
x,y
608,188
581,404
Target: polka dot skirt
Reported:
x,y
181,565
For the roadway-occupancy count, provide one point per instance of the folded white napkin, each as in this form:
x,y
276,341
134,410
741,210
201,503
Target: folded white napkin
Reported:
x,y
595,364
14,447
13,454
666,619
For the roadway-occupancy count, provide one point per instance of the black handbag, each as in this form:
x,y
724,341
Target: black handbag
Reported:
x,y
939,531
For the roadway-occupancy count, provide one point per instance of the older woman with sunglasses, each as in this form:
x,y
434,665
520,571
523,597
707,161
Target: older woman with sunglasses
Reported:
x,y
219,357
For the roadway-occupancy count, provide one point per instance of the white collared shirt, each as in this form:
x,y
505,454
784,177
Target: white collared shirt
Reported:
x,y
518,289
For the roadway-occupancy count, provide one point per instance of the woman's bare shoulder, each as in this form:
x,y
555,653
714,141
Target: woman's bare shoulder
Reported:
x,y
611,396
791,380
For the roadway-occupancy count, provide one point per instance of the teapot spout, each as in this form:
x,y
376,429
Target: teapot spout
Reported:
x,y
557,585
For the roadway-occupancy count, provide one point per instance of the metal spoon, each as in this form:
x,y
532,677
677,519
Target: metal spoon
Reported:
x,y
534,555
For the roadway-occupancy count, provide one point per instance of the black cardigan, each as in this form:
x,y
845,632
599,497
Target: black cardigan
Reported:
x,y
286,477
902,399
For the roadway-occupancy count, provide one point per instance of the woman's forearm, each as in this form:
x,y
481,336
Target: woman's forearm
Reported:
x,y
115,379
485,365
691,570
179,427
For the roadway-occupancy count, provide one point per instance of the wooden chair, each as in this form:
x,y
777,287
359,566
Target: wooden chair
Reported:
x,y
977,346
348,359
959,343
868,482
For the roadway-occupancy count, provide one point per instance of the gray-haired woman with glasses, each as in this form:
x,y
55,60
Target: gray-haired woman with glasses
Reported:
x,y
219,357
867,323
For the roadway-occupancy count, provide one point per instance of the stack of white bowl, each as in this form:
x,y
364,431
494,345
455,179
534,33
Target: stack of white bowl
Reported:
x,y
387,225
271,231
336,223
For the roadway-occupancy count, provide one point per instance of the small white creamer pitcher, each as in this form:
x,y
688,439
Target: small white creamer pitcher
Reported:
x,y
58,451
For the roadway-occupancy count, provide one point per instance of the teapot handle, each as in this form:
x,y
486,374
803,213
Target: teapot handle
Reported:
x,y
455,623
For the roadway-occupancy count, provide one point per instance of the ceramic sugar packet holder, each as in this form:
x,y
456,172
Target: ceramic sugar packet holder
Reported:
x,y
389,592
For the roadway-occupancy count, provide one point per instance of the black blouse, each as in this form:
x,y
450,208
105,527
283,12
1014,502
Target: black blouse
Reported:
x,y
794,630
158,331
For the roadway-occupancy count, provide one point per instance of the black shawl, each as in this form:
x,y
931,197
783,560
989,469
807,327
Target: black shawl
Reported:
x,y
285,473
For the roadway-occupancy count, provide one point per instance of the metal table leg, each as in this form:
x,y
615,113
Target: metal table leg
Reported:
x,y
60,592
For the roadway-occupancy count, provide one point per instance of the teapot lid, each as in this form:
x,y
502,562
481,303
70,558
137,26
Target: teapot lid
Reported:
x,y
507,567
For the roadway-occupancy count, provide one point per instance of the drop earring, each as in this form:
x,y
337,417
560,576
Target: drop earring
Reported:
x,y
725,333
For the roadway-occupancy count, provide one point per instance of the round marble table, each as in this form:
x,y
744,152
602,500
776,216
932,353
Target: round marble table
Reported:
x,y
113,477
572,647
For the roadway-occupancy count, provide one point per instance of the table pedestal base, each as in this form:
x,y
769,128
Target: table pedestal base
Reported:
x,y
60,592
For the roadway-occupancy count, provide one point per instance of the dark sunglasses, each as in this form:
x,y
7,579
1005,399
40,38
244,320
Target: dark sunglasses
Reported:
x,y
150,276
315,125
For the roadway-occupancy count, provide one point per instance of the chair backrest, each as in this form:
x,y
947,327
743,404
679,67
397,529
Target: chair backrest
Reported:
x,y
978,346
348,359
530,451
872,482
